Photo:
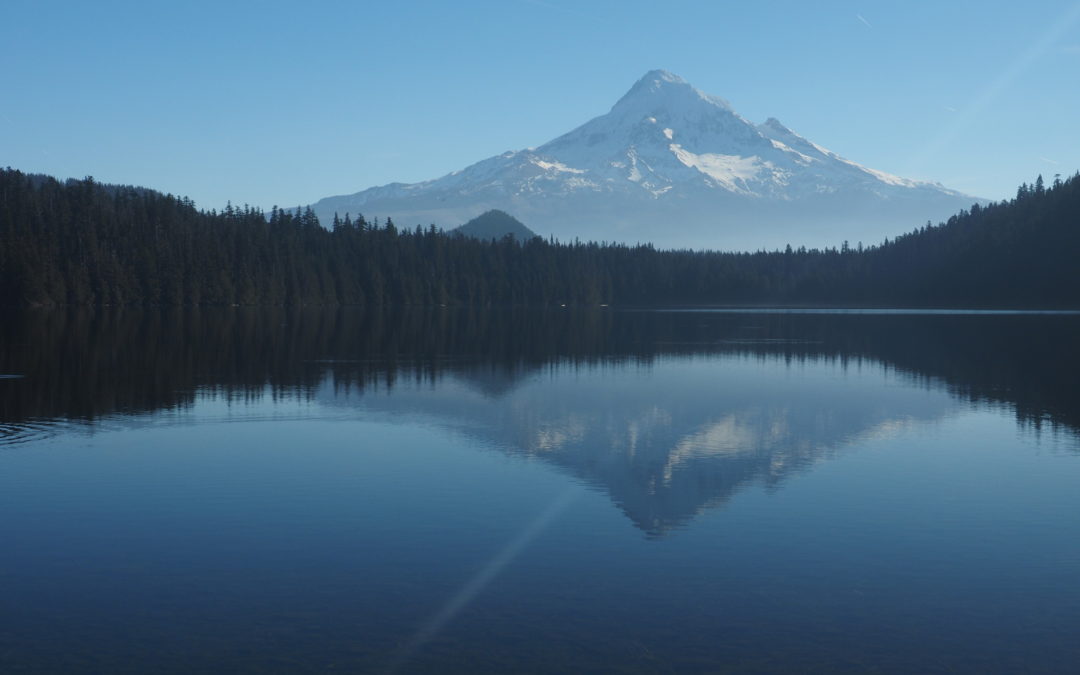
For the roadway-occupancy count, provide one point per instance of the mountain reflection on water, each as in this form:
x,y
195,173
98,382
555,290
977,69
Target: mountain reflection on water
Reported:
x,y
667,412
669,440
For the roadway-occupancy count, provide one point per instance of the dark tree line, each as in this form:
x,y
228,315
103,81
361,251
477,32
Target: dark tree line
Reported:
x,y
84,243
85,363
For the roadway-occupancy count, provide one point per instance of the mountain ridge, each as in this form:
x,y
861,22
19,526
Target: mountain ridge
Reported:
x,y
672,165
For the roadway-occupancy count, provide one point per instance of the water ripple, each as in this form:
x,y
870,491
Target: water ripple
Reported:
x,y
13,433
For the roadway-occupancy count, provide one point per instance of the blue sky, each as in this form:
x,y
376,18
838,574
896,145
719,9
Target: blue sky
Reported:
x,y
284,103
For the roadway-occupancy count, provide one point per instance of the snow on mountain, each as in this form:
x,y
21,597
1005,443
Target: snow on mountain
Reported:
x,y
676,167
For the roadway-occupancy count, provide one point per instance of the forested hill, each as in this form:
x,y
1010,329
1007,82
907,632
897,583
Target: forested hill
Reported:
x,y
81,242
494,224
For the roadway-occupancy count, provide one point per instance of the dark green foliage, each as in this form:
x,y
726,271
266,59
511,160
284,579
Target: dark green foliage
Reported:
x,y
495,224
84,243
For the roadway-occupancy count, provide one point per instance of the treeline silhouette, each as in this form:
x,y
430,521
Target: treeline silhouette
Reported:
x,y
84,364
84,243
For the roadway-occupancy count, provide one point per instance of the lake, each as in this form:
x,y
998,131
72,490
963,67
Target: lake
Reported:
x,y
610,491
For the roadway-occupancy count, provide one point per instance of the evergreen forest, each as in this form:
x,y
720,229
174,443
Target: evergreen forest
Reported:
x,y
80,242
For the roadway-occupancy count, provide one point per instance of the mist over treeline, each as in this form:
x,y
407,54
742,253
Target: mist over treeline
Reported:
x,y
80,242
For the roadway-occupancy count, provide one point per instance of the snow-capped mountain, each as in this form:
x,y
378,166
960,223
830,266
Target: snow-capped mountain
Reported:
x,y
676,167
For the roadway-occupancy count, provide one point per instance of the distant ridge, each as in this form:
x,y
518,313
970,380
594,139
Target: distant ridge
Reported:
x,y
495,224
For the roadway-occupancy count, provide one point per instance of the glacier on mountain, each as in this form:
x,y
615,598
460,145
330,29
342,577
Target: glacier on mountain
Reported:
x,y
671,165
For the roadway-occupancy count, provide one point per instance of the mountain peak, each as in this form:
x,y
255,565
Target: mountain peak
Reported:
x,y
665,86
663,76
675,166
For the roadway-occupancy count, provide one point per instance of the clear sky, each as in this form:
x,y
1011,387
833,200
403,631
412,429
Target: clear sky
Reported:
x,y
284,103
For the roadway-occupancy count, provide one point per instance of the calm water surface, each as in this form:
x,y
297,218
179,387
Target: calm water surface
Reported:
x,y
609,491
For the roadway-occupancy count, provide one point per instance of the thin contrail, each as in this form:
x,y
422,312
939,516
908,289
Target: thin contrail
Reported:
x,y
481,579
1000,84
557,8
